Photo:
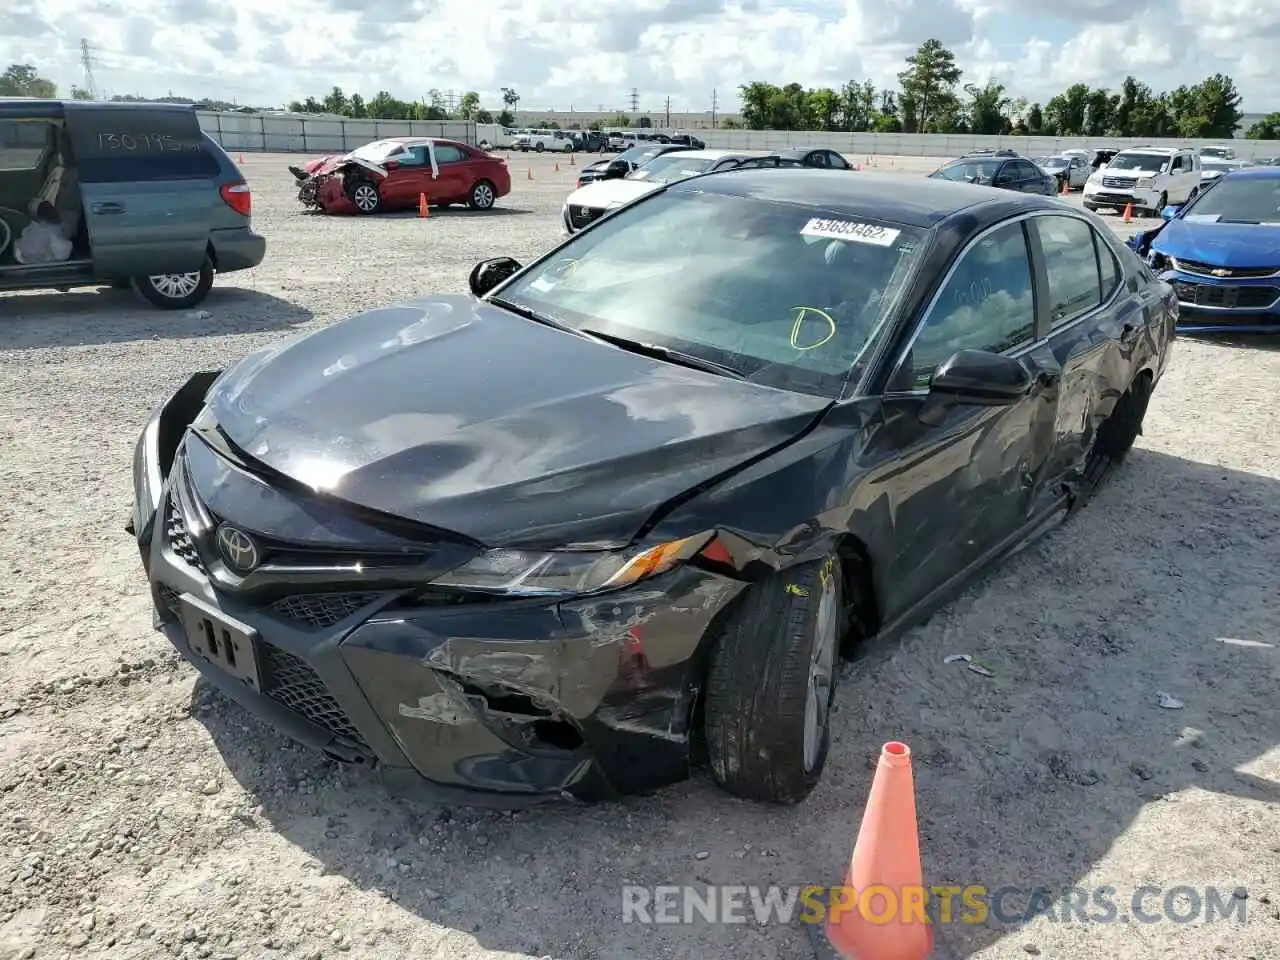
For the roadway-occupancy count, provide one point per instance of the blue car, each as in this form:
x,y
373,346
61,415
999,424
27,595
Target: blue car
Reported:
x,y
1221,254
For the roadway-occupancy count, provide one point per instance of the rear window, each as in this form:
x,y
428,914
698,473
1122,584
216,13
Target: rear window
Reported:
x,y
23,143
120,145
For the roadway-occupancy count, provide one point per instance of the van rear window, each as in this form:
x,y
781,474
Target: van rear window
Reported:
x,y
122,144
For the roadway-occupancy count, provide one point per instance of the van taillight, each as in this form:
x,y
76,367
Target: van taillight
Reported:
x,y
238,197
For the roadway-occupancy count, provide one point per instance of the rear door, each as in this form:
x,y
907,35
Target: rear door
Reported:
x,y
149,186
1095,318
457,173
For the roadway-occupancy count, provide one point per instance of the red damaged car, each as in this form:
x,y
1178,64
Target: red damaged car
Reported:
x,y
393,174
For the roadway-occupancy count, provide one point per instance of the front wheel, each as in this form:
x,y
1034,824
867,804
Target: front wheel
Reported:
x,y
175,291
364,194
538,147
771,684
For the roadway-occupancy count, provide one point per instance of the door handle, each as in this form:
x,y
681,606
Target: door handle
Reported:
x,y
107,206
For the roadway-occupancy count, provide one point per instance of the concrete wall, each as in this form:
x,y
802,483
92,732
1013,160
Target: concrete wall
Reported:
x,y
240,132
940,145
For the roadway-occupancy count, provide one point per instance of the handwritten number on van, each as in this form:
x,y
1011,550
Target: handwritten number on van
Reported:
x,y
140,143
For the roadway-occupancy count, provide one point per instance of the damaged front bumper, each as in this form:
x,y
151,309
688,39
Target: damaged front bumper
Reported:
x,y
494,702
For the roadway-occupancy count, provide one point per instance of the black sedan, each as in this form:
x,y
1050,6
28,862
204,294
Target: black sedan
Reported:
x,y
541,540
1002,169
625,162
820,157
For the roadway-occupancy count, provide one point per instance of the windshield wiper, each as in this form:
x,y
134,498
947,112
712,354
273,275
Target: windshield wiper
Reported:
x,y
666,353
521,310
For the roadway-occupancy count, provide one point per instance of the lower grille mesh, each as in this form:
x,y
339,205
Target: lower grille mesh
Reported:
x,y
319,610
292,683
180,542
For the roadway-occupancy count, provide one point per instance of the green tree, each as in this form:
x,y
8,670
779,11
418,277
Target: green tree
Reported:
x,y
469,105
1099,112
928,85
336,102
824,109
80,93
21,80
1064,115
1210,109
356,108
510,99
483,116
1268,128
1035,120
506,118
987,109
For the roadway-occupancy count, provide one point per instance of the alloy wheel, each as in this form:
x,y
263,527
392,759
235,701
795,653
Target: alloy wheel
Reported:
x,y
175,286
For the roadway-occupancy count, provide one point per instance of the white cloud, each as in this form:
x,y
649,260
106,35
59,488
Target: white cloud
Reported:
x,y
592,55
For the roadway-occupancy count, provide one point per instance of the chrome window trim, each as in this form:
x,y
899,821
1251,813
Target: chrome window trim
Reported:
x,y
1016,352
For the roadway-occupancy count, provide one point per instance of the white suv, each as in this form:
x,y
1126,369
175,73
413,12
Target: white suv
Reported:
x,y
1147,177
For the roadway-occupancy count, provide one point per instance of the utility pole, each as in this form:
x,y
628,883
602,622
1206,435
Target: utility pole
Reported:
x,y
635,100
86,61
713,109
668,123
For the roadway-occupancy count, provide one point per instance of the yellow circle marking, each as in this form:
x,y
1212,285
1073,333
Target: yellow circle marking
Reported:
x,y
806,313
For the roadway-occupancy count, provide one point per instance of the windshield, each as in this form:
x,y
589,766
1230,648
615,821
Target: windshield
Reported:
x,y
1219,166
790,296
1242,199
377,151
639,155
1213,152
1053,163
972,171
671,167
1137,161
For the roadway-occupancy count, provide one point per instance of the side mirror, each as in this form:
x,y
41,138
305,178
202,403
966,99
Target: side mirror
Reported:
x,y
975,377
487,274
390,164
1168,213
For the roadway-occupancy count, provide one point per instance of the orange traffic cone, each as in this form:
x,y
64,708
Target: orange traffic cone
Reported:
x,y
571,163
1128,213
422,206
241,158
557,166
881,915
1066,187
530,172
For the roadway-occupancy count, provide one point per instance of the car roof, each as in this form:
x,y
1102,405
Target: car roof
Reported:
x,y
1165,151
1255,173
916,203
719,154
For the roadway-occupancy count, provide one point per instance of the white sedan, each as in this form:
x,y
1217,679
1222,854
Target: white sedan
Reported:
x,y
593,200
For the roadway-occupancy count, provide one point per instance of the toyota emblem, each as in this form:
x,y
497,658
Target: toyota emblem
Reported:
x,y
238,549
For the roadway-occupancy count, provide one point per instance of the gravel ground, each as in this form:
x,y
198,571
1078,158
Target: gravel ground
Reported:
x,y
143,816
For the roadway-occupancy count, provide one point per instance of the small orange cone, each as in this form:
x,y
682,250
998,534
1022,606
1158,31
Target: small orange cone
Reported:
x,y
529,172
1128,212
571,163
241,158
422,206
881,915
557,166
1066,186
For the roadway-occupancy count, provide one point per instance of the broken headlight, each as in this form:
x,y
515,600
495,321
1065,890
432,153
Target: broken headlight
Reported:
x,y
568,573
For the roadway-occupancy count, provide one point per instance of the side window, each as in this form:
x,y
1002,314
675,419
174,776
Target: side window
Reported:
x,y
122,145
985,304
448,154
1177,164
413,157
837,162
818,159
1072,267
1024,170
1108,267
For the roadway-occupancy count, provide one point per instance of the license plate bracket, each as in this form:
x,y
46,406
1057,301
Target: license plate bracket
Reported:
x,y
222,641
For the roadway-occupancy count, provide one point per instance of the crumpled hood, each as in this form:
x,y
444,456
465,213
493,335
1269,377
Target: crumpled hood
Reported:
x,y
461,416
603,194
1220,244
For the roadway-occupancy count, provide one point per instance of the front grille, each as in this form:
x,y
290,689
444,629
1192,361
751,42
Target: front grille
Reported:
x,y
1119,183
180,542
1226,273
288,681
319,610
580,217
1225,296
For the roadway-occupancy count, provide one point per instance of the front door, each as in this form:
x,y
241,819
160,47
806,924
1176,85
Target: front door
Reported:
x,y
957,488
149,186
408,179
